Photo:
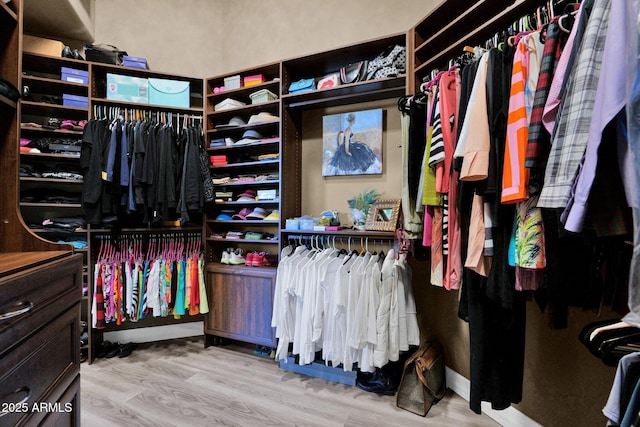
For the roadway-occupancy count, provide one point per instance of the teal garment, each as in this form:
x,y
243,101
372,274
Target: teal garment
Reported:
x,y
143,287
179,307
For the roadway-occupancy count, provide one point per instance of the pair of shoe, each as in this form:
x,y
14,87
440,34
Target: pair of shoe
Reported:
x,y
256,259
72,54
232,256
110,349
380,382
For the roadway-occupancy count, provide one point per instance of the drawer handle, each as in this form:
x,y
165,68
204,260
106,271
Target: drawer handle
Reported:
x,y
24,400
24,307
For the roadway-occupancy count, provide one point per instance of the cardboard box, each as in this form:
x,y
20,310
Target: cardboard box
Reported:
x,y
173,93
75,101
253,80
42,46
73,75
135,62
128,89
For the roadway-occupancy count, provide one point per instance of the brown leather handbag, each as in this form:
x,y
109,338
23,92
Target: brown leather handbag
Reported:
x,y
423,381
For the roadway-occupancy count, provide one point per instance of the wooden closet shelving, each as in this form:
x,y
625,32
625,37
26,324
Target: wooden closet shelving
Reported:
x,y
42,74
40,280
241,296
436,38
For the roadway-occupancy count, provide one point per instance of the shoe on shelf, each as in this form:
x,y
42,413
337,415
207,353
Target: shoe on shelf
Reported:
x,y
248,259
258,259
224,259
236,258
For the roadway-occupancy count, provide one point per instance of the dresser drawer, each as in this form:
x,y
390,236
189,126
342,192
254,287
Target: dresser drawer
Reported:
x,y
30,298
32,370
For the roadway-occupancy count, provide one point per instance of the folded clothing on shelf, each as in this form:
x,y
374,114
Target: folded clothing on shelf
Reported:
x,y
235,235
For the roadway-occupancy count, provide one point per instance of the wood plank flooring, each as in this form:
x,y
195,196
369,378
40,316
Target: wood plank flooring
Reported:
x,y
180,383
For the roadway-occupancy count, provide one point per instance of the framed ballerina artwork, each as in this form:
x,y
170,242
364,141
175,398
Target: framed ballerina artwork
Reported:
x,y
352,143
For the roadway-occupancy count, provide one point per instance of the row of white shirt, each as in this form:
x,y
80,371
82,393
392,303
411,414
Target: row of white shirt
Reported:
x,y
356,309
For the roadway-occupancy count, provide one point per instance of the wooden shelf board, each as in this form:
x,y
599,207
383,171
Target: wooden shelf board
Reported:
x,y
387,235
261,241
268,182
50,205
54,131
250,202
370,90
242,90
231,129
249,108
6,102
245,164
48,81
138,105
7,14
52,155
44,105
50,180
243,146
242,221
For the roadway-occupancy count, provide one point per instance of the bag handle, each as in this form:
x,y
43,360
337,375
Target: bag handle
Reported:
x,y
423,358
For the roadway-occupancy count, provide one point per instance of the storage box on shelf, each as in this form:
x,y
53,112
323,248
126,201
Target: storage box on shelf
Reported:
x,y
112,85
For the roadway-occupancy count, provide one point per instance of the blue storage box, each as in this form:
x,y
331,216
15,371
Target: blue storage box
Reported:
x,y
74,76
135,62
128,89
75,101
173,93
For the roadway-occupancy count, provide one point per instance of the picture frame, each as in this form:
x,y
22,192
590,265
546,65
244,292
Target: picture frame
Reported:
x,y
383,215
352,143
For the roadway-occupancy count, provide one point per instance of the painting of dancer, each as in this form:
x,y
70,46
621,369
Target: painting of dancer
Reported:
x,y
352,143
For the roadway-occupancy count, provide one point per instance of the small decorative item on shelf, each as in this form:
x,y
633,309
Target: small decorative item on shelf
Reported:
x,y
359,206
383,215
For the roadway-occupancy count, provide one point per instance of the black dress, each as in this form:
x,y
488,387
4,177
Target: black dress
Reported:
x,y
361,157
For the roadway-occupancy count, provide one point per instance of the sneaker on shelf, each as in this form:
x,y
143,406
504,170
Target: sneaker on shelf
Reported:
x,y
249,258
258,259
236,258
271,260
224,259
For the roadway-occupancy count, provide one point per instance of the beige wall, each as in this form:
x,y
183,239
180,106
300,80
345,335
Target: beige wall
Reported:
x,y
203,38
320,193
564,385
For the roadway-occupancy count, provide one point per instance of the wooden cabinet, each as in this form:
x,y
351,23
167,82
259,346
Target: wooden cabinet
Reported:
x,y
39,339
240,300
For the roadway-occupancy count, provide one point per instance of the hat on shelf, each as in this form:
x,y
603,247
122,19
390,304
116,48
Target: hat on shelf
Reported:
x,y
225,215
258,213
242,214
249,137
273,216
247,196
233,122
263,117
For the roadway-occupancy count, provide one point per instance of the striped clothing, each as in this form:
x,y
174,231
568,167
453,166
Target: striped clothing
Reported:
x,y
526,68
539,139
572,130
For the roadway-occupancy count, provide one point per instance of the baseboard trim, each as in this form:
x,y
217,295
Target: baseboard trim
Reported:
x,y
156,333
507,417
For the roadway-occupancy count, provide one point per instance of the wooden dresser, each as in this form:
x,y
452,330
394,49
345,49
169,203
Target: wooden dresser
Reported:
x,y
40,296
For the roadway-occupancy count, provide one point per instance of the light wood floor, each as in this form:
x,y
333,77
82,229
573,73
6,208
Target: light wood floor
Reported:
x,y
180,383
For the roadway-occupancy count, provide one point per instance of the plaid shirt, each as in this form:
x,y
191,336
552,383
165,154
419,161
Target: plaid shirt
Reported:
x,y
572,131
539,139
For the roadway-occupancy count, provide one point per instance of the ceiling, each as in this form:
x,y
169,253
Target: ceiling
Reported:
x,y
60,19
